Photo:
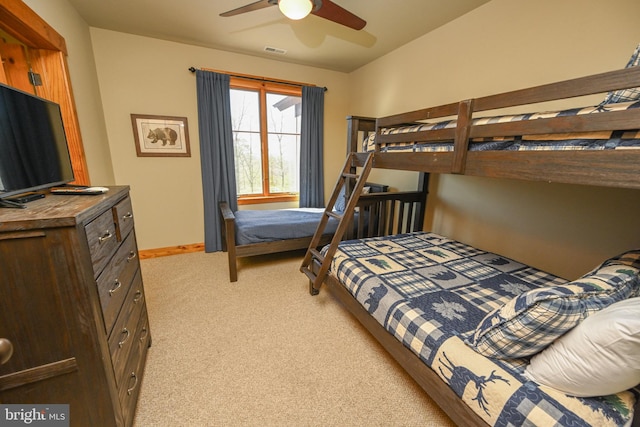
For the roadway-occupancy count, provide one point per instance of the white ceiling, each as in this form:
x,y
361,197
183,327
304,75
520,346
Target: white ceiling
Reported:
x,y
311,41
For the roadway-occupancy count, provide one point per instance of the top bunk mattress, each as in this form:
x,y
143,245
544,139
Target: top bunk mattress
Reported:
x,y
431,293
604,140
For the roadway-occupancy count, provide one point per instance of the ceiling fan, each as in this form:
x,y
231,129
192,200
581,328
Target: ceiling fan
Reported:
x,y
298,9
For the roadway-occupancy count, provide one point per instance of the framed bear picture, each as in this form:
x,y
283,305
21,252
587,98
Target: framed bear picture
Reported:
x,y
160,136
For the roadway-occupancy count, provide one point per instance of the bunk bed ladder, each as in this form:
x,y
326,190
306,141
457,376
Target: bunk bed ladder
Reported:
x,y
315,265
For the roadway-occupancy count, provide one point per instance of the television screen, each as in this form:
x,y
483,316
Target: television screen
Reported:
x,y
33,146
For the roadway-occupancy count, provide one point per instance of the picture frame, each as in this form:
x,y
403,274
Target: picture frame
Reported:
x,y
160,136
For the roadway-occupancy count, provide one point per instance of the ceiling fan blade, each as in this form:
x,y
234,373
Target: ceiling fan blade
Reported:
x,y
331,11
261,4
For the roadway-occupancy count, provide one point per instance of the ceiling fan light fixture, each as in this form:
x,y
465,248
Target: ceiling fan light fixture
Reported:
x,y
295,9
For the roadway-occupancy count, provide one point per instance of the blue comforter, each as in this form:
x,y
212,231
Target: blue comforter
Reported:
x,y
269,225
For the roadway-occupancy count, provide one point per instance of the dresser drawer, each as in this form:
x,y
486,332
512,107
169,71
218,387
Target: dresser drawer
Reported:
x,y
102,239
131,379
123,217
125,332
143,337
115,280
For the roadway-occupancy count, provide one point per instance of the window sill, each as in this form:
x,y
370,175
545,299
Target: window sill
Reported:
x,y
267,199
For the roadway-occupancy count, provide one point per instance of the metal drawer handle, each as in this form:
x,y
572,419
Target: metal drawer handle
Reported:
x,y
106,236
135,377
124,331
117,286
131,256
143,334
6,350
137,297
127,216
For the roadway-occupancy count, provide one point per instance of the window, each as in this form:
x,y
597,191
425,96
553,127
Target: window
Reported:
x,y
266,137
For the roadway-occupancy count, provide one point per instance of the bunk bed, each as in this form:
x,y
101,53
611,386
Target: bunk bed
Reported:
x,y
258,232
590,146
410,290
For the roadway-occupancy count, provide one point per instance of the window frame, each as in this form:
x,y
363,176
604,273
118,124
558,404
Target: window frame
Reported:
x,y
262,87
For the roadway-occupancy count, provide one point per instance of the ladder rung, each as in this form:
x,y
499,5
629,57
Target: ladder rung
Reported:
x,y
350,175
332,214
310,274
317,255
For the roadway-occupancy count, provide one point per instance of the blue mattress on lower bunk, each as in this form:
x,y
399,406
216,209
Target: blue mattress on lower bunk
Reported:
x,y
256,226
432,293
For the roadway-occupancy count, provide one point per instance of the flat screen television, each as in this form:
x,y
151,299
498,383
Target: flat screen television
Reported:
x,y
34,154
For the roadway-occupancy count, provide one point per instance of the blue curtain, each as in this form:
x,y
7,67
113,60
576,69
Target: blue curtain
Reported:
x,y
311,148
216,152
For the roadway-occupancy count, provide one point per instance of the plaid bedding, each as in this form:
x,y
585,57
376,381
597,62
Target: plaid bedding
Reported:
x,y
431,292
608,140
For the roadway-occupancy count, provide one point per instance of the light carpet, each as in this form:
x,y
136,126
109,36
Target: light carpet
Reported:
x,y
263,352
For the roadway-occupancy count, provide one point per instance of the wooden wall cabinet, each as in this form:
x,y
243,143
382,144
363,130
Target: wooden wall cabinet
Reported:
x,y
73,307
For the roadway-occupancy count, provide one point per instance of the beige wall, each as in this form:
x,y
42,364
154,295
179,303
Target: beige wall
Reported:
x,y
505,45
141,75
66,21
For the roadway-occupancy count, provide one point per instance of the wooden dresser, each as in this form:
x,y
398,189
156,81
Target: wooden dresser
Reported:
x,y
72,306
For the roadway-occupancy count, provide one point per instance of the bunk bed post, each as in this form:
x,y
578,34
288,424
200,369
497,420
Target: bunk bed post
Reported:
x,y
352,134
461,142
423,188
355,125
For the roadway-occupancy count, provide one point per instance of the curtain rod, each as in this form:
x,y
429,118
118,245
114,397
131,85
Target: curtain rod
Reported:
x,y
260,79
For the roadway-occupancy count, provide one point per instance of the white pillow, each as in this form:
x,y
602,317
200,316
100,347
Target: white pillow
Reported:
x,y
600,356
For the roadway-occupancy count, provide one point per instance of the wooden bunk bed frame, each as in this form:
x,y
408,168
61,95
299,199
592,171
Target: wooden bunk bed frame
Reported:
x,y
612,168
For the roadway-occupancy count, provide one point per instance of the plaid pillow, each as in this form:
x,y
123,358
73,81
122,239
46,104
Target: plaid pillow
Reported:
x,y
534,319
625,95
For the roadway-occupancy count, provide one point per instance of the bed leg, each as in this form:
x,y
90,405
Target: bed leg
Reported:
x,y
228,234
233,265
232,260
313,291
